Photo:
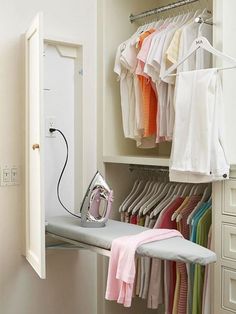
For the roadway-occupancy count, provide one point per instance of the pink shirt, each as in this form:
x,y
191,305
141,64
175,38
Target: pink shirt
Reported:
x,y
121,271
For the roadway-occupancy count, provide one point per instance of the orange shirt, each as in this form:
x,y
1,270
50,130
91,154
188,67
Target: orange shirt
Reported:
x,y
150,103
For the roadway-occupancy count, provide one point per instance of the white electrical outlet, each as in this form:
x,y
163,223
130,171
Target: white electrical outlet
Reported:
x,y
50,122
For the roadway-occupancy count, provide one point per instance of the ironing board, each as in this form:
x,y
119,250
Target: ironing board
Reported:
x,y
68,230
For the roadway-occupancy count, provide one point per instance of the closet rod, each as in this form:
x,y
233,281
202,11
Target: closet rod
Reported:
x,y
148,168
160,9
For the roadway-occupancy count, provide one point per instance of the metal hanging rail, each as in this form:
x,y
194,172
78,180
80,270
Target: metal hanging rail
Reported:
x,y
160,10
148,168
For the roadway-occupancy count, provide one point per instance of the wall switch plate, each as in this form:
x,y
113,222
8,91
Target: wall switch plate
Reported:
x,y
14,175
50,122
5,176
9,175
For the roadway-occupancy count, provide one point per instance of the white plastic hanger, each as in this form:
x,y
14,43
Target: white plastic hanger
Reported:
x,y
132,196
199,189
158,23
168,20
147,25
207,194
192,190
176,213
146,198
205,197
187,17
186,190
178,190
167,199
149,204
200,42
189,219
147,188
198,12
151,25
140,200
136,183
159,196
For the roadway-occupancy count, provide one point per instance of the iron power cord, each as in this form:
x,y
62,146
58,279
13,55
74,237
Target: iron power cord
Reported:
x,y
52,130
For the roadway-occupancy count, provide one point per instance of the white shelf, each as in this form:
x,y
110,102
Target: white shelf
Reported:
x,y
150,161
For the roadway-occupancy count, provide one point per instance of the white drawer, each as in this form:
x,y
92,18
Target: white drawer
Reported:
x,y
229,241
229,206
229,289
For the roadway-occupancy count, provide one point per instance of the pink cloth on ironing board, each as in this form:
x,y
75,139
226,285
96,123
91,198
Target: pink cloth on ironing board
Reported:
x,y
121,271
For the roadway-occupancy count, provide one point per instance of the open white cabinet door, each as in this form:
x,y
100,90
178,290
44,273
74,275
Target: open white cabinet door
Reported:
x,y
35,212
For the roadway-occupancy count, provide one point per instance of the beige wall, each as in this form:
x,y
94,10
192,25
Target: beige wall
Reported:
x,y
66,288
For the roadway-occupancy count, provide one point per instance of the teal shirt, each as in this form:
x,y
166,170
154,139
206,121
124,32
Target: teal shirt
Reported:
x,y
203,228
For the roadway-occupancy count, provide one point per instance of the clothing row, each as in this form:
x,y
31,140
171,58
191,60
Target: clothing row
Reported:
x,y
147,99
182,288
149,197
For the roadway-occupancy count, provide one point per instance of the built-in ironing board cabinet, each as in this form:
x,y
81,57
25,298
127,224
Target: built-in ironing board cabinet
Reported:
x,y
53,97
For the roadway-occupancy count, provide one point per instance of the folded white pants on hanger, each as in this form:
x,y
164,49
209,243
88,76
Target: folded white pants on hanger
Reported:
x,y
198,153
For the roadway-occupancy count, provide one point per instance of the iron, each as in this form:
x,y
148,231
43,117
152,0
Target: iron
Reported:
x,y
97,203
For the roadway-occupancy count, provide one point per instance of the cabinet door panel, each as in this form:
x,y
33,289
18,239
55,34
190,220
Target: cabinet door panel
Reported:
x,y
229,241
35,214
229,289
230,198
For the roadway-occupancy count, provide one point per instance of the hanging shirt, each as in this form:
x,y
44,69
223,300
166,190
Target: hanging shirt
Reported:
x,y
153,68
202,239
121,272
181,267
188,34
128,59
142,58
131,94
193,237
164,221
122,74
148,95
172,53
